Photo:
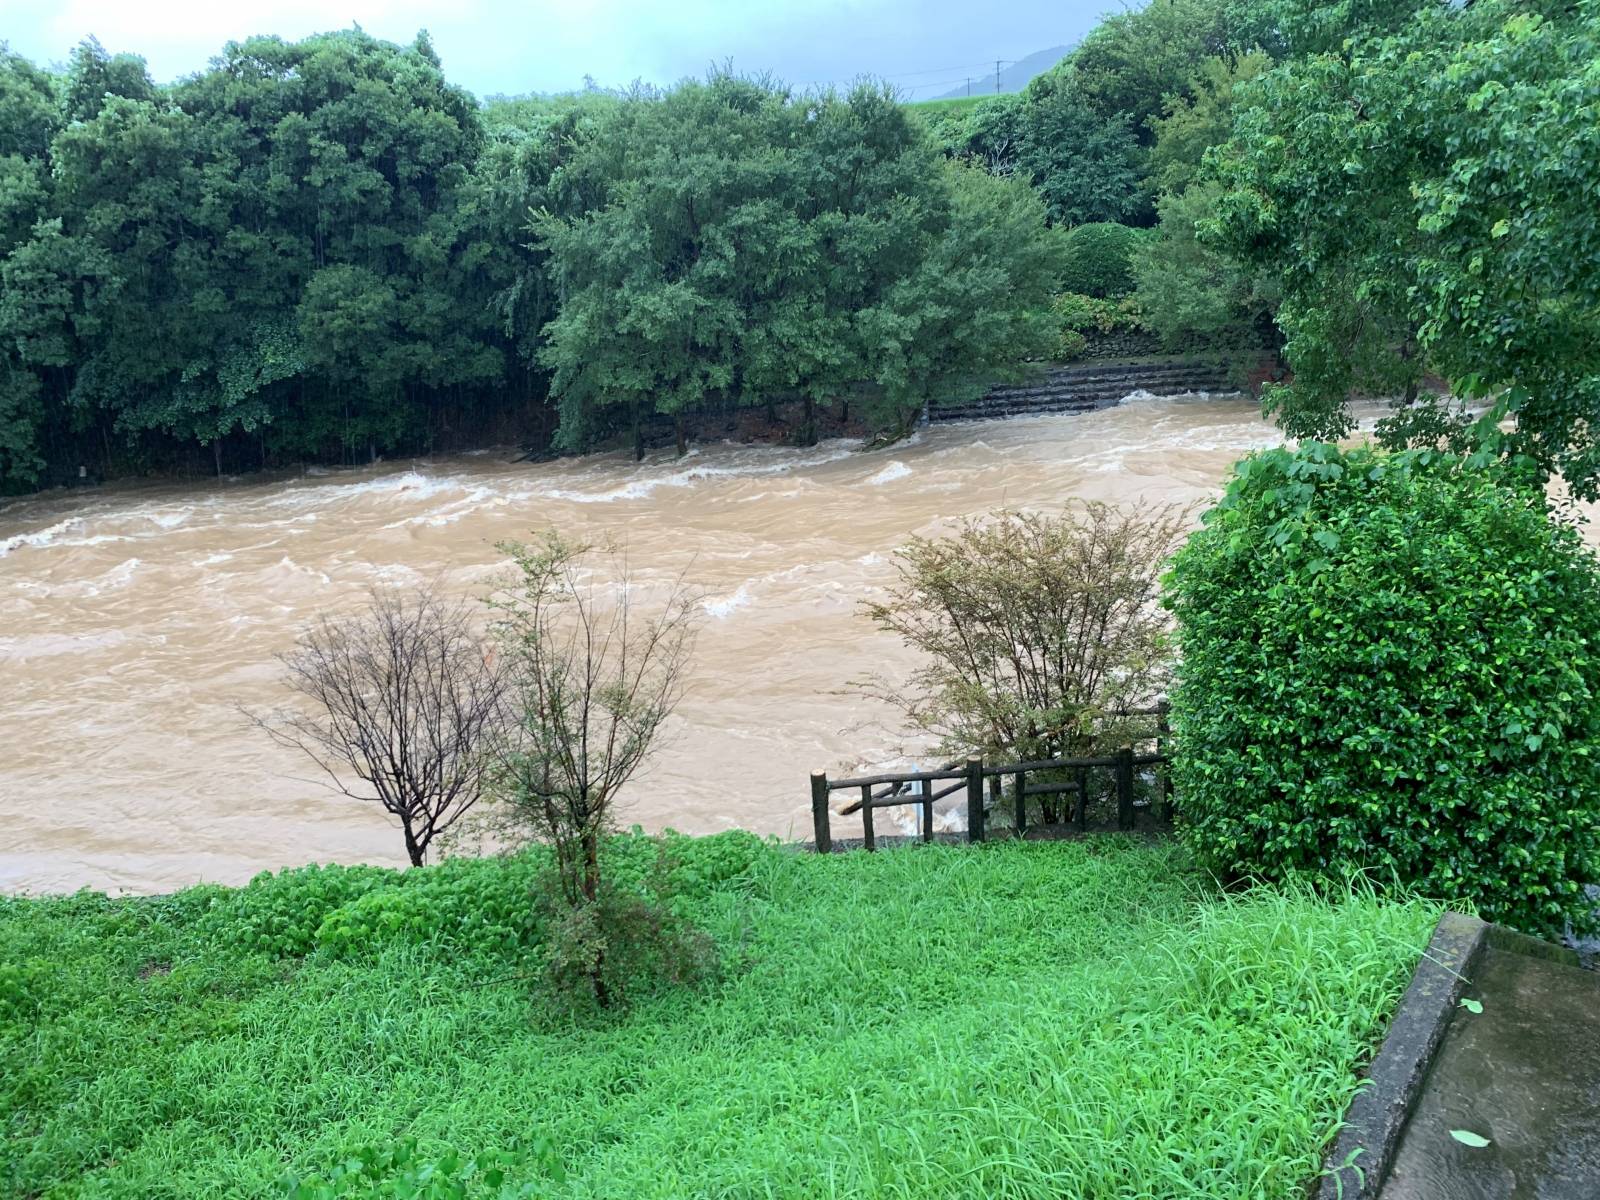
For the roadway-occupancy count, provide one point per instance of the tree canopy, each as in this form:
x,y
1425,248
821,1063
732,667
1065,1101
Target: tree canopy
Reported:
x,y
748,243
325,249
1424,188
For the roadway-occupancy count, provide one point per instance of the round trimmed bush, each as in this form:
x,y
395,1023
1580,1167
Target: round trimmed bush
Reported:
x,y
1097,259
1391,665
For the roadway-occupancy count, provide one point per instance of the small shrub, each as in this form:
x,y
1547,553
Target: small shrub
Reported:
x,y
1391,665
279,914
1078,317
1098,260
591,683
471,905
630,939
1032,629
400,703
400,1172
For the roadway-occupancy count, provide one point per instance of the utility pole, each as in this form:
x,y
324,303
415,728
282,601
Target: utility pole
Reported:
x,y
969,87
997,76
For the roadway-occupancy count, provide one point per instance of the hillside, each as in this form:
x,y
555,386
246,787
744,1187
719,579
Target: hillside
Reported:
x,y
1013,78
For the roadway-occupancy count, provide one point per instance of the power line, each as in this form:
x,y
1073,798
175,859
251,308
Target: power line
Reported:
x,y
914,87
936,70
964,79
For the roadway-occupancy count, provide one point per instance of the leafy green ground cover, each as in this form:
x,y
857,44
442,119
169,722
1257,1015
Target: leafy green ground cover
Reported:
x,y
1003,1021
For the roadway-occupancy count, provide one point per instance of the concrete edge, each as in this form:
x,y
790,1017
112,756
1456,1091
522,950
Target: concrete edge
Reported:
x,y
1512,942
1361,1156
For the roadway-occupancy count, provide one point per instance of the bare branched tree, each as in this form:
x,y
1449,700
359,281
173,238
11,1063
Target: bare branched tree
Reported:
x,y
592,682
1035,629
405,701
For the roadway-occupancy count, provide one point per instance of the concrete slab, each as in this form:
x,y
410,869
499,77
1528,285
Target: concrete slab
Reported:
x,y
1525,1074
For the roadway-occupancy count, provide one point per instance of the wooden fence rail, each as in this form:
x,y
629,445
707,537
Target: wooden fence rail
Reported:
x,y
920,789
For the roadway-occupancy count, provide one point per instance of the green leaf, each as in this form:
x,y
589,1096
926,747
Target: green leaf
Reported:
x,y
1472,1006
1467,1138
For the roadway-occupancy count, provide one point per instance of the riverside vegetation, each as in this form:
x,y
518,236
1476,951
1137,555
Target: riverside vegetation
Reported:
x,y
1022,1020
325,250
723,1014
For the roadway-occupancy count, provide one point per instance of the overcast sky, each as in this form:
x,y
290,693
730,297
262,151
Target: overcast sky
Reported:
x,y
924,46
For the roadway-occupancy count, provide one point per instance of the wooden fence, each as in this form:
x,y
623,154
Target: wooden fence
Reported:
x,y
984,786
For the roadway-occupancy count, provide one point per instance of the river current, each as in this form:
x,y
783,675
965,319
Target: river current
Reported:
x,y
137,620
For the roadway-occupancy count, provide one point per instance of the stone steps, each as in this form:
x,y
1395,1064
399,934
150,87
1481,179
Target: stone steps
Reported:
x,y
1087,387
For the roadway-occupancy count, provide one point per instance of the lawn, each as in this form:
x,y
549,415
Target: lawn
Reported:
x,y
1011,1020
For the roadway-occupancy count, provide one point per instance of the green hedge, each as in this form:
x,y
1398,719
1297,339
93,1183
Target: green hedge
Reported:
x,y
1098,259
1390,666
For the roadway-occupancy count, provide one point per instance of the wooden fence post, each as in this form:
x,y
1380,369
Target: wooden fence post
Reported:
x,y
927,810
1164,746
975,798
1125,788
869,829
819,812
1021,818
1081,816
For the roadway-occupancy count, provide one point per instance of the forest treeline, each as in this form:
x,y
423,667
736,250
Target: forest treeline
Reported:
x,y
324,250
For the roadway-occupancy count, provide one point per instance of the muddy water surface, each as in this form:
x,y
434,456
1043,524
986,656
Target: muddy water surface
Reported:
x,y
135,620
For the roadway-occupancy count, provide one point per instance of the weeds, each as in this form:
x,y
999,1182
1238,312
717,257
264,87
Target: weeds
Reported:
x,y
1017,1020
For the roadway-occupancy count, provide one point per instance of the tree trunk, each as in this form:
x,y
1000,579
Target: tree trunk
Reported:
x,y
216,454
591,867
808,432
591,894
683,444
638,436
415,852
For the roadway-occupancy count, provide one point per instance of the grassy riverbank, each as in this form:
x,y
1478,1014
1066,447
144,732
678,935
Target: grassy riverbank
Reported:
x,y
1007,1021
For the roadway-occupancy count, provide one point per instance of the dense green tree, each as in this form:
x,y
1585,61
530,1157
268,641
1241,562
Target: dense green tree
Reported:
x,y
30,115
1133,62
650,276
94,77
1190,293
1086,166
988,132
743,244
974,308
323,249
30,107
1190,124
1423,188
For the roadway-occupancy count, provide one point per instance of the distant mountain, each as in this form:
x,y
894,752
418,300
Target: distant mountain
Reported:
x,y
1013,78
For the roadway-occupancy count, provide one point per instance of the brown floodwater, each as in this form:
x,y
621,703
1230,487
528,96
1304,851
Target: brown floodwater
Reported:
x,y
135,620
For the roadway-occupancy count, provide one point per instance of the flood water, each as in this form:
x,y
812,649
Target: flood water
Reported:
x,y
136,620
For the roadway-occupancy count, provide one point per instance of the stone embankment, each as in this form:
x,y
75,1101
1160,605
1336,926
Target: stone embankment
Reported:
x,y
1087,386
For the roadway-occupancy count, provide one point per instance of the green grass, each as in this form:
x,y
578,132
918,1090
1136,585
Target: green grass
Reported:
x,y
955,104
1023,1020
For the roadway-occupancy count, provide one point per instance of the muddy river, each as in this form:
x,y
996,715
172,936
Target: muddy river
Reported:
x,y
136,620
